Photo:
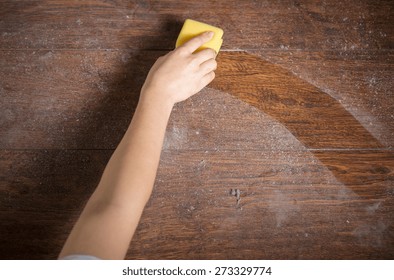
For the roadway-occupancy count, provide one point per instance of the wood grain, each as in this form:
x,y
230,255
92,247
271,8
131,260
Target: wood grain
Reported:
x,y
78,99
313,116
69,98
41,195
289,203
299,121
311,25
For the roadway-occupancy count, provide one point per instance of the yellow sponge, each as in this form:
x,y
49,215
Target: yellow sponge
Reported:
x,y
192,28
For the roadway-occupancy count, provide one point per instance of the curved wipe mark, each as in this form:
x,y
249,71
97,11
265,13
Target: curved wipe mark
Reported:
x,y
316,119
313,116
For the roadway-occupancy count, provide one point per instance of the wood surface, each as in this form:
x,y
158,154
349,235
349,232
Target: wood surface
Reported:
x,y
116,24
299,121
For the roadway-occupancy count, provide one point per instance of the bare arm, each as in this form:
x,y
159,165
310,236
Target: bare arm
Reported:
x,y
108,222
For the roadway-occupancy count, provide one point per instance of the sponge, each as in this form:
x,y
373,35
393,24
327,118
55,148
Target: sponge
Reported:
x,y
192,28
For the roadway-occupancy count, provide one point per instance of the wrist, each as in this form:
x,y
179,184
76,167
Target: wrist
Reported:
x,y
154,100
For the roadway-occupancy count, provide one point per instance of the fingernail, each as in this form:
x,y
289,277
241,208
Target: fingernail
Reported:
x,y
210,33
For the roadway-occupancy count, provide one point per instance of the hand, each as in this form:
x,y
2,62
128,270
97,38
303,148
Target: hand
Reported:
x,y
181,73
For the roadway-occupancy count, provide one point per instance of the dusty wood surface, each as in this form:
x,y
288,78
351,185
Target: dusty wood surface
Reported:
x,y
299,122
72,94
70,24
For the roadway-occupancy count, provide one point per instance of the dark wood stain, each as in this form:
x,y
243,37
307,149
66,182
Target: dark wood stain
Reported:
x,y
298,124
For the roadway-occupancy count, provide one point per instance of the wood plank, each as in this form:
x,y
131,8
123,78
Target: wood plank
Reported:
x,y
290,208
307,25
85,100
41,195
362,87
81,97
312,115
291,204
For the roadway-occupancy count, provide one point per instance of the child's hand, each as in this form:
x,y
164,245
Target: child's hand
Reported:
x,y
180,73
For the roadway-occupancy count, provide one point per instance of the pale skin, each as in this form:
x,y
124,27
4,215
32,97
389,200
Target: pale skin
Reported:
x,y
110,217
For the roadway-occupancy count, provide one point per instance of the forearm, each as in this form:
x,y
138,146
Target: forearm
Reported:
x,y
132,168
112,213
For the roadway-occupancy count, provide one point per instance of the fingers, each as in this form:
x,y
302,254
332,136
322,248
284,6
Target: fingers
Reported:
x,y
207,79
205,55
208,66
193,44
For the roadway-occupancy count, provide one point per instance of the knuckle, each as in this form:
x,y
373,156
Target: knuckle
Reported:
x,y
180,49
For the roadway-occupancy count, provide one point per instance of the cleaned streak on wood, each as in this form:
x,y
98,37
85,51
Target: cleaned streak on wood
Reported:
x,y
301,107
314,117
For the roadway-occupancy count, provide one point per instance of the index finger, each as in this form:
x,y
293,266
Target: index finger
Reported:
x,y
193,44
